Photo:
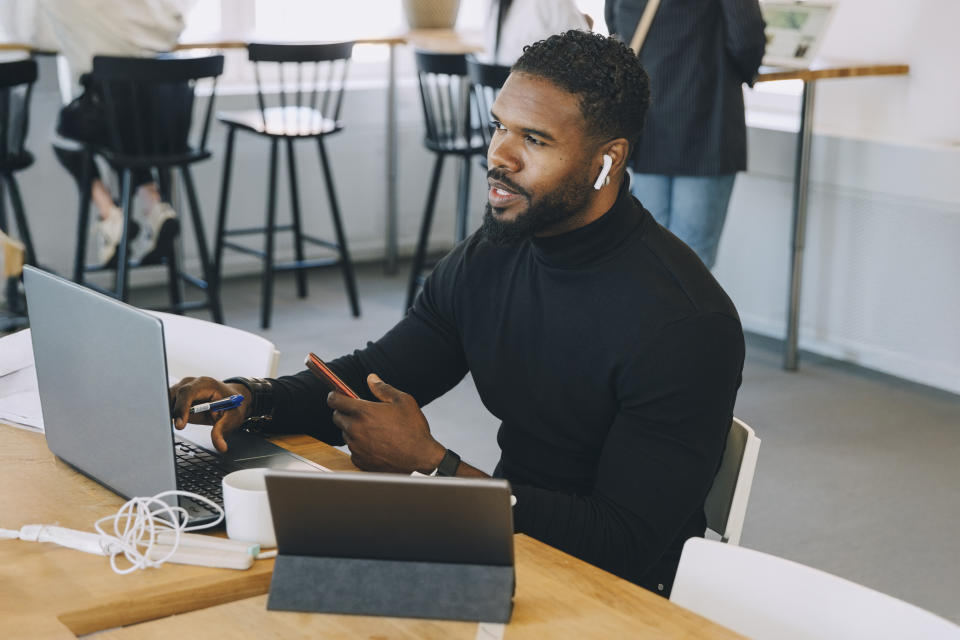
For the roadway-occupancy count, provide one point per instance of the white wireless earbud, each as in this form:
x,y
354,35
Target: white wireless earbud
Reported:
x,y
607,163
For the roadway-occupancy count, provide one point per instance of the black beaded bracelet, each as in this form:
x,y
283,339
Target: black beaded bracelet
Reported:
x,y
261,396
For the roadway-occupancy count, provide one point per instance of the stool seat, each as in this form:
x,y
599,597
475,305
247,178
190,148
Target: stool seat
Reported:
x,y
16,161
282,122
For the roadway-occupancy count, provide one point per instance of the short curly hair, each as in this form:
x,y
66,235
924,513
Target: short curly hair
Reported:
x,y
605,75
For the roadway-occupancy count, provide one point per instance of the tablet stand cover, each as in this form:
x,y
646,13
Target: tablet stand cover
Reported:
x,y
481,593
392,545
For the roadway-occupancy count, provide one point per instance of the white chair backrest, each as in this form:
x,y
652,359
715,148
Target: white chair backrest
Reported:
x,y
726,504
200,348
762,596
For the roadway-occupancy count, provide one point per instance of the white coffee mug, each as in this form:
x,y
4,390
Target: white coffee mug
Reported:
x,y
247,508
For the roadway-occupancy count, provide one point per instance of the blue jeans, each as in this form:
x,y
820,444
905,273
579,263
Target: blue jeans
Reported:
x,y
693,208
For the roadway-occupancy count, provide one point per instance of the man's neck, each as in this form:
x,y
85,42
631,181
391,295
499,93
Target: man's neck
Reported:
x,y
601,202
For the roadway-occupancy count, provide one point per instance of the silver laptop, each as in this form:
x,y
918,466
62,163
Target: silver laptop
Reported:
x,y
102,376
795,30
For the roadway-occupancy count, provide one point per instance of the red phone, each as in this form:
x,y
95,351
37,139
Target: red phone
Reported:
x,y
323,372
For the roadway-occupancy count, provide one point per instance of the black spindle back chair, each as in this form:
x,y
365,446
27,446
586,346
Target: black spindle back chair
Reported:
x,y
148,104
309,86
487,80
16,86
453,127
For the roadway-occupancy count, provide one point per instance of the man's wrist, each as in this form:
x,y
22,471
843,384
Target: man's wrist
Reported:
x,y
259,395
432,460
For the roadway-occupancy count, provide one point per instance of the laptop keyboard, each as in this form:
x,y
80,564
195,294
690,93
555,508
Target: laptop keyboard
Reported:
x,y
200,471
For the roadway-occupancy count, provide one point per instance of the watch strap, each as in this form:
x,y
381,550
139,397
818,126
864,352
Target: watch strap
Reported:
x,y
449,464
261,396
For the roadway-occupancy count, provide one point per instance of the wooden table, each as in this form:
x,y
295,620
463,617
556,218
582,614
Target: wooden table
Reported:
x,y
50,591
818,70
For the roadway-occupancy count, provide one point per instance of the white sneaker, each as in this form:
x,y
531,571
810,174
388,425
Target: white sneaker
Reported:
x,y
161,225
109,230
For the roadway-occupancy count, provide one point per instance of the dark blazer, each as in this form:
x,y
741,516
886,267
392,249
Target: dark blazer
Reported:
x,y
698,53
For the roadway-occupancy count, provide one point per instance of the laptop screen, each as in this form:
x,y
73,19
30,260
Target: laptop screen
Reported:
x,y
102,377
794,31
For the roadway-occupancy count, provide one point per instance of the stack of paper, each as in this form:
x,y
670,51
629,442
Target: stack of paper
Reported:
x,y
19,397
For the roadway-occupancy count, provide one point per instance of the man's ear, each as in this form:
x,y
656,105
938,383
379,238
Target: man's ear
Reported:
x,y
618,149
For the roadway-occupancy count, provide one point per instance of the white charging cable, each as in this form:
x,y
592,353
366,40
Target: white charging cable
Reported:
x,y
148,532
139,523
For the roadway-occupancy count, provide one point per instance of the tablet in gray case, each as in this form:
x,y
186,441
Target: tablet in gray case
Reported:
x,y
393,545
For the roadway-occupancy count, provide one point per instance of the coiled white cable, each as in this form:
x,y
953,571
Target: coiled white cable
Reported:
x,y
139,522
147,532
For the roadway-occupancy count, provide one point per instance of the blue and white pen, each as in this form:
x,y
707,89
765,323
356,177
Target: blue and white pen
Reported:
x,y
231,402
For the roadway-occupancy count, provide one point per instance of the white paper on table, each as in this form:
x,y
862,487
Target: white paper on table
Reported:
x,y
16,352
20,399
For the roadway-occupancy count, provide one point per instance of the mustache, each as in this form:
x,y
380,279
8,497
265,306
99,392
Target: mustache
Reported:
x,y
500,176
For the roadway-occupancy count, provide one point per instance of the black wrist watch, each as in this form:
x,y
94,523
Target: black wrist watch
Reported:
x,y
449,465
261,400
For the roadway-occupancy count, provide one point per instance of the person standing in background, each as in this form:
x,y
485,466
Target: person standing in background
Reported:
x,y
698,54
80,30
513,24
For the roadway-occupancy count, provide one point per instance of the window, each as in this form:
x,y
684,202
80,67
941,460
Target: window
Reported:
x,y
318,20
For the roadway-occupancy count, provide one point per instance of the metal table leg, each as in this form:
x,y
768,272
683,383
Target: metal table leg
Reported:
x,y
801,178
390,258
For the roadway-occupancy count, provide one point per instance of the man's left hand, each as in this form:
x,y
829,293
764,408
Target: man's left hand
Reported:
x,y
390,435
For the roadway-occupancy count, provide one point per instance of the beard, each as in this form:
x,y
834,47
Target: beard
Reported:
x,y
541,214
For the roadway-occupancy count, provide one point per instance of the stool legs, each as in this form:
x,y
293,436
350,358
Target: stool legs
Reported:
x,y
123,268
420,254
267,292
346,263
222,213
268,254
463,200
209,285
83,219
3,209
19,215
301,274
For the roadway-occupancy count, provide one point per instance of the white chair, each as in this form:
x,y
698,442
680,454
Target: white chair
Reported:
x,y
200,348
726,504
762,596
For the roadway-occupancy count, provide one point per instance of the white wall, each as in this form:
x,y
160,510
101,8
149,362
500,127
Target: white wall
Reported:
x,y
880,280
923,108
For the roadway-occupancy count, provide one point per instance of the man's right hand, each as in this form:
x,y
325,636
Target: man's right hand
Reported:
x,y
191,391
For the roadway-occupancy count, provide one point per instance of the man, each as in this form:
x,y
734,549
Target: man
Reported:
x,y
602,343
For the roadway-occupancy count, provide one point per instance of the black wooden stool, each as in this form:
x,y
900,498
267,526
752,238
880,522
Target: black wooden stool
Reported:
x,y
149,112
453,127
16,86
308,109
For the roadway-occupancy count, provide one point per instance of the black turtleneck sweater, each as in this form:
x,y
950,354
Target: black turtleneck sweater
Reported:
x,y
612,358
